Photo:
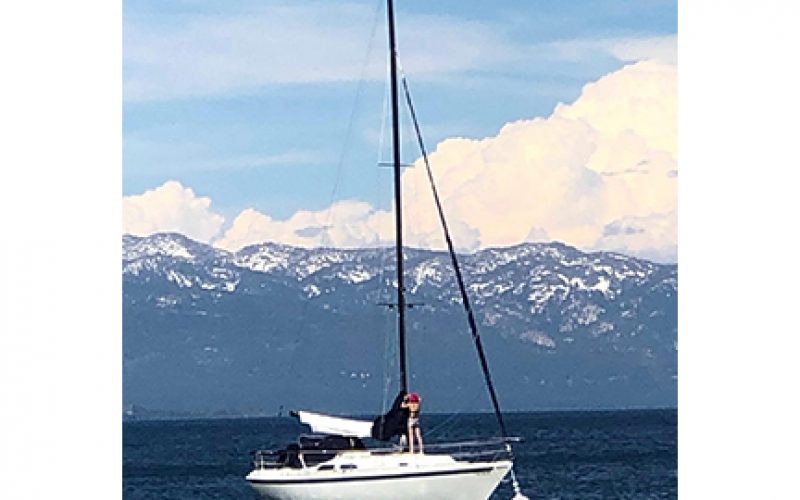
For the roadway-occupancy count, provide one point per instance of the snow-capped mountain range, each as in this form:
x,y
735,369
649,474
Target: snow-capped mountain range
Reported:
x,y
273,325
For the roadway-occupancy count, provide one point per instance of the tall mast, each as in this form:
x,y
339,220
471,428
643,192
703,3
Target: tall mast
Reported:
x,y
398,198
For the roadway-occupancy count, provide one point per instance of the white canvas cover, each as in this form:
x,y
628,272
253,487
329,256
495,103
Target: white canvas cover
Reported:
x,y
326,424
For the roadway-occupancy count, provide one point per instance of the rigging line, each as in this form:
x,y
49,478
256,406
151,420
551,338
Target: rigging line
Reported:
x,y
454,259
385,328
328,215
398,197
383,120
449,419
387,352
383,257
349,131
465,298
383,260
382,250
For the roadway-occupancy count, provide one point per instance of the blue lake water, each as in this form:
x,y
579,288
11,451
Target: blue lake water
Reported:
x,y
574,454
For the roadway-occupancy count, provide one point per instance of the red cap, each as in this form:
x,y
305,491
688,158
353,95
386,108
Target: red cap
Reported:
x,y
413,397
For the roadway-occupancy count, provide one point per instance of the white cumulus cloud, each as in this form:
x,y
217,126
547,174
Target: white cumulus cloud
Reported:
x,y
170,208
647,236
346,224
599,173
609,156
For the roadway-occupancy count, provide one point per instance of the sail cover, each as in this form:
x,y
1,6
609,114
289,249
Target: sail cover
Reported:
x,y
326,424
393,423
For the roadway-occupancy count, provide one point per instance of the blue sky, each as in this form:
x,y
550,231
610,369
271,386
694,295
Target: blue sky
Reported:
x,y
272,137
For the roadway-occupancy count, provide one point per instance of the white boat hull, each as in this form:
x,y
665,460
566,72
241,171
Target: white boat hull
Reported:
x,y
397,476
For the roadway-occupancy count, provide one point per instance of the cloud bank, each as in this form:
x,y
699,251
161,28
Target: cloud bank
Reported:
x,y
606,160
345,224
600,174
170,208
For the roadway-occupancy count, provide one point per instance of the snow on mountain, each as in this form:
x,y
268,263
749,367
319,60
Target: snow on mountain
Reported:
x,y
182,261
545,310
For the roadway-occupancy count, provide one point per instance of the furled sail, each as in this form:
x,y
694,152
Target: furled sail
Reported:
x,y
326,424
393,423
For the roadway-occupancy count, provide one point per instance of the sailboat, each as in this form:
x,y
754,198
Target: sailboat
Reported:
x,y
335,463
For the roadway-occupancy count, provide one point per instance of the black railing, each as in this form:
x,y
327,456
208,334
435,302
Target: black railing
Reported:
x,y
485,450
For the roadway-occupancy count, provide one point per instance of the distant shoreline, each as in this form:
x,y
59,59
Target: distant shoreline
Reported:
x,y
166,415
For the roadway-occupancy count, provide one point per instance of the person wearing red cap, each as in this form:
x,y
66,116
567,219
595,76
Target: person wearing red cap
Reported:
x,y
412,402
